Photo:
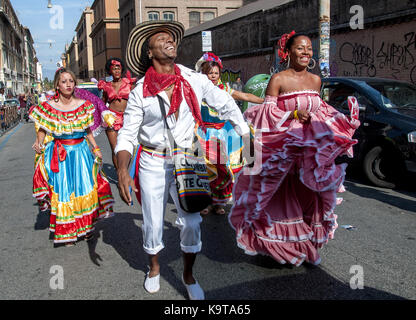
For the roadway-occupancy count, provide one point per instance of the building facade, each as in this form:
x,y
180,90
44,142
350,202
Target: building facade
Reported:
x,y
72,57
29,62
189,13
105,34
11,49
246,39
85,49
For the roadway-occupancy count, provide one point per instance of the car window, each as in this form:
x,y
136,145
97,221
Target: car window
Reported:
x,y
93,90
336,94
396,94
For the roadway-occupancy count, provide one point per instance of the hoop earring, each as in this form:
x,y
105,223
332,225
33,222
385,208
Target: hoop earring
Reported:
x,y
288,62
314,64
56,96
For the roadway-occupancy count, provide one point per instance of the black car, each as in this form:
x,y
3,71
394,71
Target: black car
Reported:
x,y
386,150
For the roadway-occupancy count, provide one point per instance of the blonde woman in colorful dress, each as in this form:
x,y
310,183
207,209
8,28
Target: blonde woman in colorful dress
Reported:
x,y
67,179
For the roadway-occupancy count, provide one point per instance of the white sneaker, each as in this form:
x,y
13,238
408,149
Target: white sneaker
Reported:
x,y
152,284
195,291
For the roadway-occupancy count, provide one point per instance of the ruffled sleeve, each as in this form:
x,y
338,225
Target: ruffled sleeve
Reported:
x,y
101,84
59,122
228,89
132,81
269,116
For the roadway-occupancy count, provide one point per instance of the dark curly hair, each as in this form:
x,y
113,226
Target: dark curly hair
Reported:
x,y
144,56
290,42
108,65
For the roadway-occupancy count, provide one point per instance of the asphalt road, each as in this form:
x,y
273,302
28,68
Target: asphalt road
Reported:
x,y
382,245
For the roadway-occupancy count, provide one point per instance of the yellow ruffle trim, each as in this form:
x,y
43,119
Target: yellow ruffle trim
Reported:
x,y
77,207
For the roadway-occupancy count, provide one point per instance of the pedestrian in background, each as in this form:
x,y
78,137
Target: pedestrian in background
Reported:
x,y
2,98
286,210
67,178
238,86
152,50
22,102
224,142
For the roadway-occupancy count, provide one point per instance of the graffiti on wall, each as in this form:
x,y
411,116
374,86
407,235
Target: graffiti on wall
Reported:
x,y
375,59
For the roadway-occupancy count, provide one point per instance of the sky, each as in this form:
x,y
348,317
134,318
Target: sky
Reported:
x,y
52,28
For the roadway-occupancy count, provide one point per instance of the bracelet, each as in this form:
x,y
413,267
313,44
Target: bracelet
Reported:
x,y
295,114
96,149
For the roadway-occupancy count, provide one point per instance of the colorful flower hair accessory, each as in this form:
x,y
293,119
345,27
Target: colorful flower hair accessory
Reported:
x,y
208,56
281,51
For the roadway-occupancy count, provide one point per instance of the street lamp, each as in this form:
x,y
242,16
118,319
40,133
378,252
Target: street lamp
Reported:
x,y
49,4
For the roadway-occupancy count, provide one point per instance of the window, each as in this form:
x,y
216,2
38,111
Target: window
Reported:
x,y
169,16
194,18
209,16
153,15
336,95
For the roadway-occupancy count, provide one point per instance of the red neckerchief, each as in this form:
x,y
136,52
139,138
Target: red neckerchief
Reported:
x,y
156,82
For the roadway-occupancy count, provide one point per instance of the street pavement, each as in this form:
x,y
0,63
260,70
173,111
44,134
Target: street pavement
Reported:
x,y
380,249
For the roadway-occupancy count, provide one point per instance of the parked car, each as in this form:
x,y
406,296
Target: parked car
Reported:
x,y
386,148
91,87
12,102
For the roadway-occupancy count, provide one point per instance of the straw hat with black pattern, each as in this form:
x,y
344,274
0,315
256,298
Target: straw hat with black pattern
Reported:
x,y
139,34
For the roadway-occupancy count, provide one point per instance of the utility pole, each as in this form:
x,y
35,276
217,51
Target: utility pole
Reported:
x,y
324,36
140,10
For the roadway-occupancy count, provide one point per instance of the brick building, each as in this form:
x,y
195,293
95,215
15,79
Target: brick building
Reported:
x,y
72,56
246,38
84,42
105,34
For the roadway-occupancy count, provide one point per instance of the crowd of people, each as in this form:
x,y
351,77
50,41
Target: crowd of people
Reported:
x,y
15,108
9,112
283,203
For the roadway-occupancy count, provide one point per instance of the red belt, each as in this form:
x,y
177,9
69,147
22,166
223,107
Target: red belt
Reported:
x,y
214,125
59,152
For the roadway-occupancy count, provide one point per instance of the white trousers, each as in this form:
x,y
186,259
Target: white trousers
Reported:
x,y
157,181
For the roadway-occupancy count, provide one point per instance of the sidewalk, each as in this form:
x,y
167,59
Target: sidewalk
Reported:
x,y
3,132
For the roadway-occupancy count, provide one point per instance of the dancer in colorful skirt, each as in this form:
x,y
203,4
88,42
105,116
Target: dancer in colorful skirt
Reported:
x,y
286,208
68,180
222,140
115,94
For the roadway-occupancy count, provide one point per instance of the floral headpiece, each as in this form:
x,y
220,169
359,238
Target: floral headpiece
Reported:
x,y
60,69
281,51
208,56
115,63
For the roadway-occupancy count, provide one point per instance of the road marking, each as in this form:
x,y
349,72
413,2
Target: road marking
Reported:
x,y
10,134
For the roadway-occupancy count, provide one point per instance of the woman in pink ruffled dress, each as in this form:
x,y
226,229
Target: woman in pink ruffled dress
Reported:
x,y
286,208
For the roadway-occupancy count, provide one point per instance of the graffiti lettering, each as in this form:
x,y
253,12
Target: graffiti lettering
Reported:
x,y
361,57
367,60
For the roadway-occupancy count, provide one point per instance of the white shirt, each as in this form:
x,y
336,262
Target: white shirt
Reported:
x,y
143,121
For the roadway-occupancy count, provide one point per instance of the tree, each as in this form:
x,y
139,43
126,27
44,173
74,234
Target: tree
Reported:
x,y
47,84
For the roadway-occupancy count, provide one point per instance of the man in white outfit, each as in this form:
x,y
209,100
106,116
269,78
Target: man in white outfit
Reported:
x,y
151,50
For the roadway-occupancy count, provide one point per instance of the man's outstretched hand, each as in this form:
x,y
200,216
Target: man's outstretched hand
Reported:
x,y
124,184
